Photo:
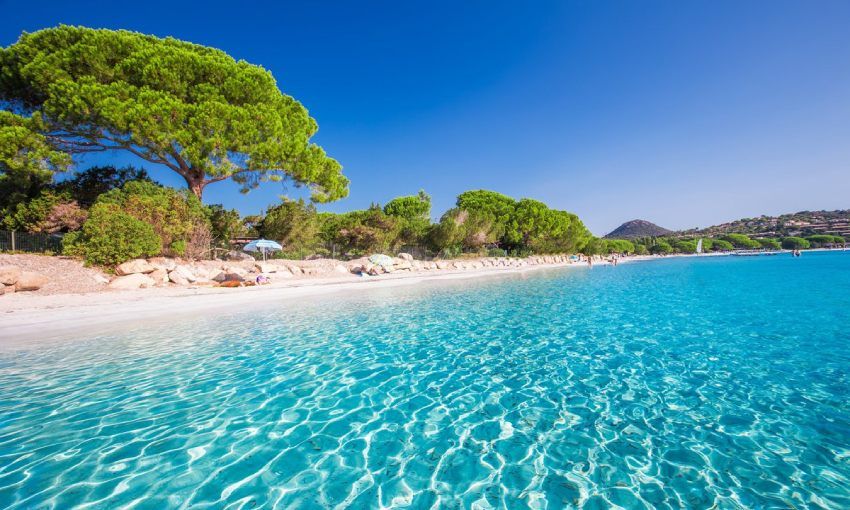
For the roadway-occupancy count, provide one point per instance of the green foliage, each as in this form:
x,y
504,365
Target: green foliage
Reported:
x,y
110,236
721,245
620,246
769,244
595,246
191,108
174,215
685,246
295,225
361,232
661,247
27,160
795,243
86,186
225,224
484,218
741,241
641,249
414,212
461,230
820,240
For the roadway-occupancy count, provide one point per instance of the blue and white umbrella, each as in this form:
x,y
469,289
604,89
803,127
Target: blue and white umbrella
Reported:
x,y
262,245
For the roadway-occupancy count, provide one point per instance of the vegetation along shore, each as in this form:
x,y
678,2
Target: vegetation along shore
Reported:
x,y
196,111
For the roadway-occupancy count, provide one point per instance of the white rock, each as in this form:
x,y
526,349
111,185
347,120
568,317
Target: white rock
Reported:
x,y
265,267
9,274
166,263
159,276
134,266
177,278
340,269
183,272
442,264
30,280
132,281
405,256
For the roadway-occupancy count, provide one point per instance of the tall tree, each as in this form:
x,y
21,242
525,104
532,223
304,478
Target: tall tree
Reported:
x,y
191,108
27,160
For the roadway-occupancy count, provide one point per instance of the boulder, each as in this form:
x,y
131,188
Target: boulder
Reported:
x,y
134,266
283,274
442,264
220,277
184,272
404,265
163,263
405,256
340,269
9,274
132,281
2,289
234,277
238,255
159,276
30,280
177,278
265,267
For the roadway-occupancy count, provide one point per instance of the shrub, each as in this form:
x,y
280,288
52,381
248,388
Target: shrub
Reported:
x,y
111,236
741,241
173,214
685,246
641,249
721,245
819,240
620,246
49,212
795,243
661,247
769,244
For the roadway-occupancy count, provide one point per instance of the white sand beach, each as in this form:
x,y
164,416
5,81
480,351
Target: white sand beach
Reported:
x,y
30,315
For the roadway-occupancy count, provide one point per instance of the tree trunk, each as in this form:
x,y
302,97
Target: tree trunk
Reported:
x,y
196,184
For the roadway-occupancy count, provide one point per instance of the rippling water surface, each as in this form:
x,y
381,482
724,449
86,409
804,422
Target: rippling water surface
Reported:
x,y
710,383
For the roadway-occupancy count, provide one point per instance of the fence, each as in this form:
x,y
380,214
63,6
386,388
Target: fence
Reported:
x,y
11,240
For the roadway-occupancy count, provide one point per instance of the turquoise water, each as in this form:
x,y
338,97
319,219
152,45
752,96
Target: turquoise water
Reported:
x,y
681,383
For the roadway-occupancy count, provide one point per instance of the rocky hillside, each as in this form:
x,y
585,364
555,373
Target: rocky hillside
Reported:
x,y
803,223
637,228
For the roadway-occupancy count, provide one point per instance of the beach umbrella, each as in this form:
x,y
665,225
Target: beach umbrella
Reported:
x,y
262,245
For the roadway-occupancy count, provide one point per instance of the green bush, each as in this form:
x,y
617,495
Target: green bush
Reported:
x,y
620,246
819,240
685,246
769,244
641,250
176,216
661,247
111,236
795,243
741,241
721,245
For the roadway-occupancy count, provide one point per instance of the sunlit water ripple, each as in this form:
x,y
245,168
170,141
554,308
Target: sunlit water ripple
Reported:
x,y
711,383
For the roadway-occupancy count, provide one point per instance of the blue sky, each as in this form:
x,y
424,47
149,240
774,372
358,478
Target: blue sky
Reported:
x,y
682,113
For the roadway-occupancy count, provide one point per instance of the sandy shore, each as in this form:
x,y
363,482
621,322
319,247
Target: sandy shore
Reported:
x,y
28,315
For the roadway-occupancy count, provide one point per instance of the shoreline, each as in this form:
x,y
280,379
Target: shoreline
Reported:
x,y
32,317
64,314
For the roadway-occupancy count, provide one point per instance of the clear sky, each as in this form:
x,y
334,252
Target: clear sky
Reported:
x,y
682,113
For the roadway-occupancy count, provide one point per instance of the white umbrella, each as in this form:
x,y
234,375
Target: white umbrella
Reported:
x,y
262,245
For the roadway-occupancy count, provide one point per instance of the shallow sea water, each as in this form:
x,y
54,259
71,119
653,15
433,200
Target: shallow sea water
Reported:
x,y
681,383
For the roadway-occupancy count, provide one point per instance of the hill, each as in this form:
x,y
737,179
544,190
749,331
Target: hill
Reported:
x,y
802,224
637,228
